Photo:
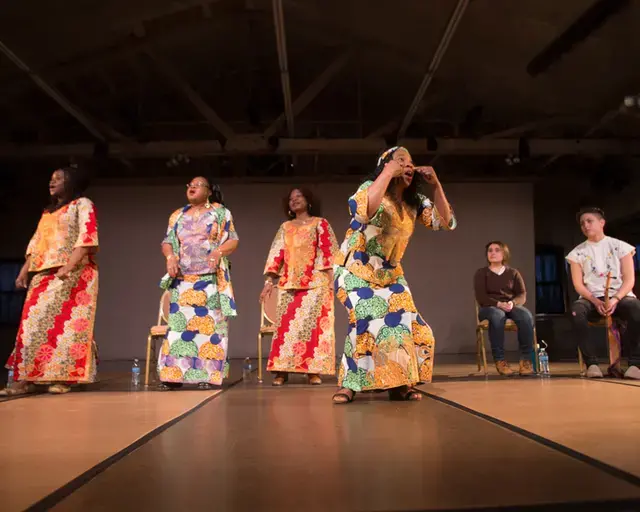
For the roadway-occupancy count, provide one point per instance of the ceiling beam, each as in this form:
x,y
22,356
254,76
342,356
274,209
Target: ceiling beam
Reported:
x,y
606,119
534,125
256,144
281,43
311,92
96,61
172,75
449,31
74,111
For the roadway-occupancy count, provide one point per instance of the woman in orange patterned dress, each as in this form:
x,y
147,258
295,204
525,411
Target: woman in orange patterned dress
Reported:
x,y
55,345
300,265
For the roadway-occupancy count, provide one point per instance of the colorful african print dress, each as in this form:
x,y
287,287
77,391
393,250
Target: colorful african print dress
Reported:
x,y
55,338
195,349
302,256
388,342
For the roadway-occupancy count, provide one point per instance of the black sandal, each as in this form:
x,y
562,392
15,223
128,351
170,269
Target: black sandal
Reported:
x,y
169,386
349,394
404,395
204,385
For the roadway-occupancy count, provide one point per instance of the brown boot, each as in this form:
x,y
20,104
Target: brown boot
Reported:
x,y
504,368
526,368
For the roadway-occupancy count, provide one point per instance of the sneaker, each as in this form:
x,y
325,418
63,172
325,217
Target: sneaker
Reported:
x,y
594,372
526,368
504,368
633,372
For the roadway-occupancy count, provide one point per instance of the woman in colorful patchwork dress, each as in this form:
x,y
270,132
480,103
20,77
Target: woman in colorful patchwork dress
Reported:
x,y
55,345
199,240
300,264
389,346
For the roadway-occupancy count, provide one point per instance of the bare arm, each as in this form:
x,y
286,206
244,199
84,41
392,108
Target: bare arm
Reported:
x,y
628,276
78,254
442,205
228,247
577,279
23,277
378,188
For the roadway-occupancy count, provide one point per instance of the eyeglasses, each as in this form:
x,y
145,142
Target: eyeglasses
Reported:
x,y
198,184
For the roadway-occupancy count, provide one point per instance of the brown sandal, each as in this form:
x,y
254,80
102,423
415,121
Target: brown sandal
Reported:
x,y
404,394
347,394
314,379
280,379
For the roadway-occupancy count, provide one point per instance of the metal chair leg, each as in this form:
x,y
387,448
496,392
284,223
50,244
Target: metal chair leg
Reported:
x,y
260,358
478,350
484,353
535,351
146,371
581,363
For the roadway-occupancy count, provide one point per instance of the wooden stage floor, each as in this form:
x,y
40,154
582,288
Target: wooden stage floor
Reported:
x,y
472,443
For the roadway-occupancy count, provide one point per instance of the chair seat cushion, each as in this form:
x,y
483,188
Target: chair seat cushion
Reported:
x,y
509,325
159,330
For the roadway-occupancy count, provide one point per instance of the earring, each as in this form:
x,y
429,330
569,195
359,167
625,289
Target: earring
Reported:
x,y
290,213
207,204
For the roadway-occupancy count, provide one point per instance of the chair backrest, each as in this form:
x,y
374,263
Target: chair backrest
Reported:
x,y
163,313
269,307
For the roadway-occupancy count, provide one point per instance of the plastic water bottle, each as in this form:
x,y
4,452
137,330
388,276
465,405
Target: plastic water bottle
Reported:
x,y
543,357
246,370
10,378
135,375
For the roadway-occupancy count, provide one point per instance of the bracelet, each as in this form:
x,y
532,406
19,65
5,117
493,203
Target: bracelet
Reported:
x,y
268,281
171,256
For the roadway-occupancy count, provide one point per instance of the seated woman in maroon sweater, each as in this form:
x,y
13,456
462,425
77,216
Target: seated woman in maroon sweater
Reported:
x,y
500,293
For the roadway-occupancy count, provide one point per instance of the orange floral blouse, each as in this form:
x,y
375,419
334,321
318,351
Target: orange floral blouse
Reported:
x,y
300,255
60,232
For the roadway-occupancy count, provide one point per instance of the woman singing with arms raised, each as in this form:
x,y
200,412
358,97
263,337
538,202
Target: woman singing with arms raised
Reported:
x,y
389,346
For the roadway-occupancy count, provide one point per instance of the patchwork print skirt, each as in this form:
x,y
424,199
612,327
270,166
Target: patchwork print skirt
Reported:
x,y
195,349
388,343
304,341
55,339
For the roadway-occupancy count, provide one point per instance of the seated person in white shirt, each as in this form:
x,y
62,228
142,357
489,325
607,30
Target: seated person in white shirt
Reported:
x,y
590,262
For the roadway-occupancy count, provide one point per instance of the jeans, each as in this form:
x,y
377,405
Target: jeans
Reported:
x,y
628,310
497,318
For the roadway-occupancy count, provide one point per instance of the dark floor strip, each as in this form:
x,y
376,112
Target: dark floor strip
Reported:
x,y
619,382
609,506
611,470
63,492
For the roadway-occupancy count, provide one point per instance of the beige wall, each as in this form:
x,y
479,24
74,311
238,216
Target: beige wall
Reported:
x,y
439,266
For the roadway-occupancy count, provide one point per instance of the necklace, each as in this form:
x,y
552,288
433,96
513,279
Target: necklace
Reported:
x,y
197,211
303,222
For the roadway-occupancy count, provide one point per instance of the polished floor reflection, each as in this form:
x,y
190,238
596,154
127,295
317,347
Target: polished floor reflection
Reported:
x,y
290,449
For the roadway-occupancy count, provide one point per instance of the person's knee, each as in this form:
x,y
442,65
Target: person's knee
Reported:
x,y
634,310
522,315
579,311
494,315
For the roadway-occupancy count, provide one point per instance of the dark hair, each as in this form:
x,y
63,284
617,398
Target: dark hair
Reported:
x,y
313,203
215,196
75,183
410,194
506,253
598,212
